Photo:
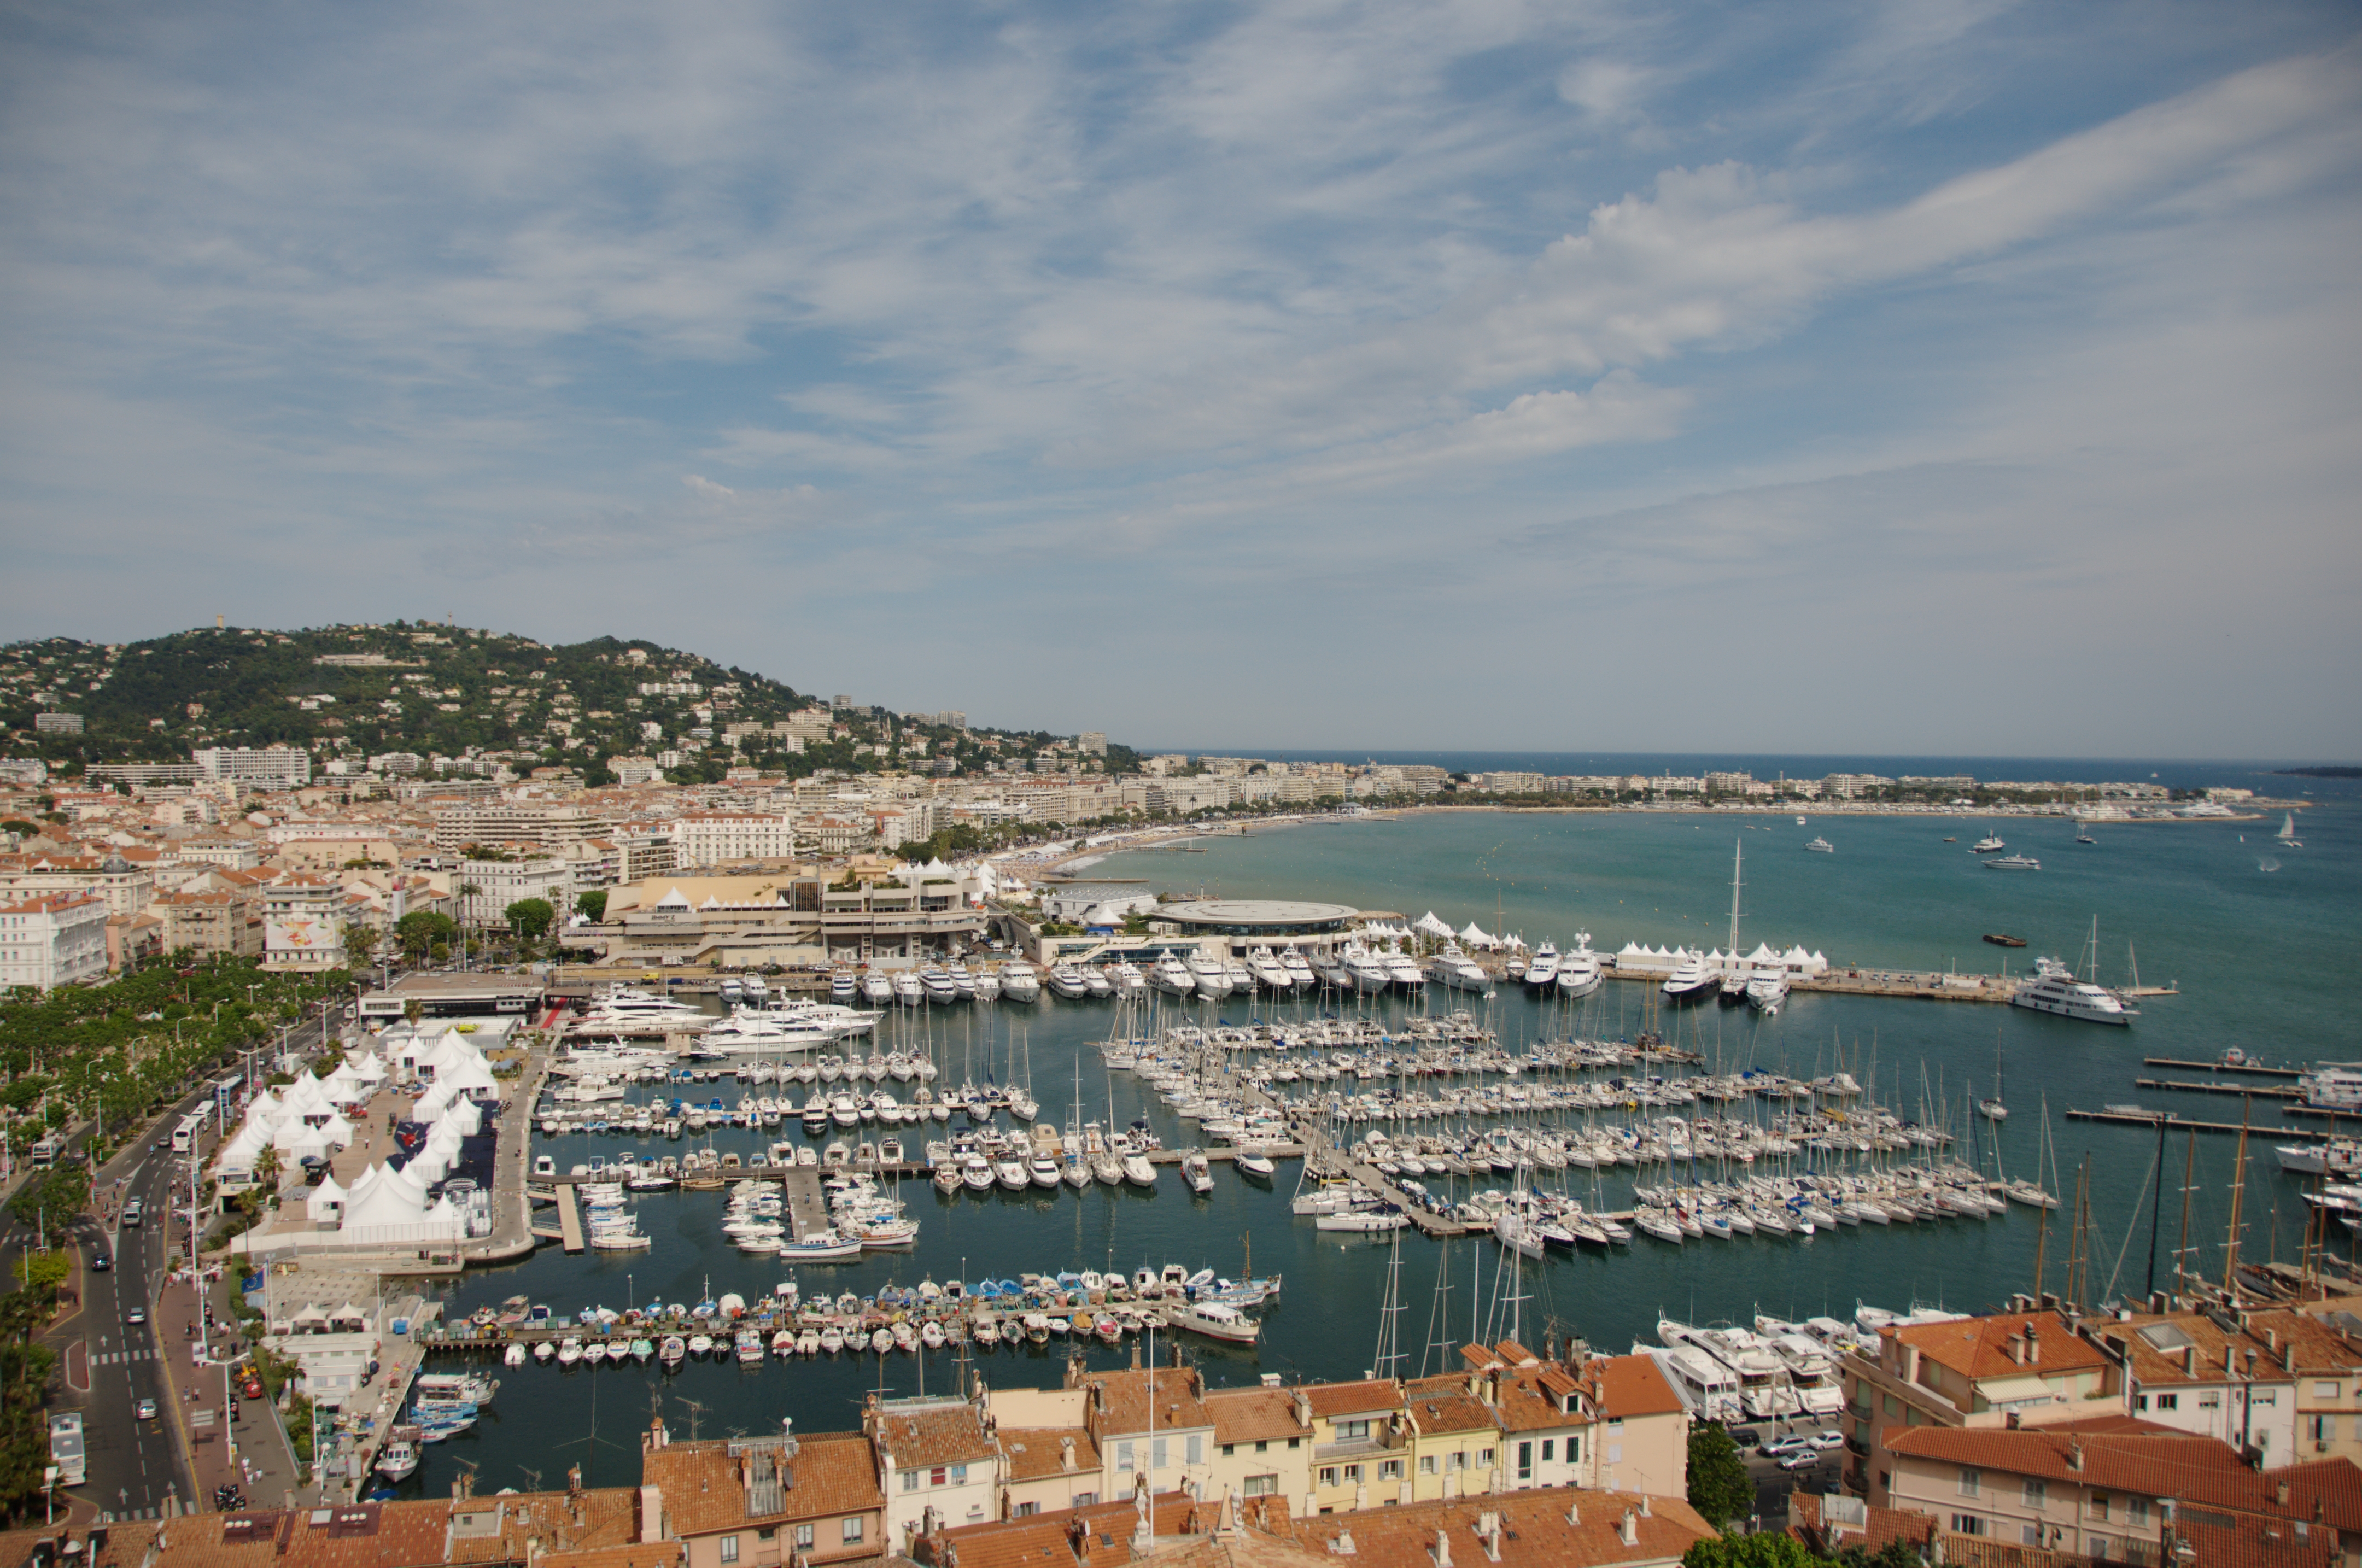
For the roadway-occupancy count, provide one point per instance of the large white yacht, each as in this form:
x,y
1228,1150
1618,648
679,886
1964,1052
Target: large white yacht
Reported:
x,y
1068,981
1542,973
1019,982
1455,969
1206,972
760,1030
1125,976
1766,989
1404,970
1269,973
1367,969
1578,971
2333,1086
878,987
1172,976
1299,973
627,1009
1692,981
2055,989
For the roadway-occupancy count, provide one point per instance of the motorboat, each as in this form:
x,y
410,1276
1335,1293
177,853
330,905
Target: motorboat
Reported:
x,y
1692,981
1097,982
910,990
1766,989
2055,989
2012,863
1821,846
844,985
1196,1173
1361,1222
1299,973
1252,1161
1368,972
1542,973
877,988
1019,982
1138,1171
1172,976
1126,977
1265,965
1989,844
1067,980
398,1461
1579,974
1214,1321
1404,970
1206,973
1455,969
821,1246
940,989
1242,978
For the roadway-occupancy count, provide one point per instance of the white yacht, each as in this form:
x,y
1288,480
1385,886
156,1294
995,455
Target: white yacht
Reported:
x,y
1206,974
1989,844
1019,982
1365,970
1766,989
1127,978
2054,988
1242,978
1172,976
940,987
1066,979
1097,981
1213,1320
1456,970
877,988
627,1009
1692,981
748,1030
1822,846
1299,973
1268,974
1578,971
908,990
1404,970
2012,863
1542,973
2333,1086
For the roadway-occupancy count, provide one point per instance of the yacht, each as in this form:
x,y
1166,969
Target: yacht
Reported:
x,y
1734,986
1989,844
1019,983
1404,970
1127,978
1578,971
1542,973
1299,973
1692,981
1455,969
1213,1320
1207,972
1822,846
748,1030
2054,988
1172,976
876,989
1766,989
1268,974
940,986
2012,863
1365,970
627,1009
908,990
1097,982
1242,978
2333,1086
843,986
400,1457
1068,981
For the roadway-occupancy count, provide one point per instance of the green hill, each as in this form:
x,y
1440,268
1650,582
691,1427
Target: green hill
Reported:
x,y
361,692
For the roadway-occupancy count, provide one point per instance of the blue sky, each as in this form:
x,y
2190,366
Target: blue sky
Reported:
x,y
1952,377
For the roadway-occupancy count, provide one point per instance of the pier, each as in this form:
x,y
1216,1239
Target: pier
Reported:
x,y
2248,1067
569,1219
2260,1091
2180,1124
807,1206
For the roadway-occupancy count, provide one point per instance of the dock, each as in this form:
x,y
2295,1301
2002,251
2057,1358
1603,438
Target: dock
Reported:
x,y
569,1219
2260,1091
807,1206
2248,1067
1924,985
1430,1223
2179,1124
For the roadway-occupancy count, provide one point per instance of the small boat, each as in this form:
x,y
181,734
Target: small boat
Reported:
x,y
1214,1321
399,1459
1195,1172
2012,863
1250,1160
2000,939
1820,845
673,1352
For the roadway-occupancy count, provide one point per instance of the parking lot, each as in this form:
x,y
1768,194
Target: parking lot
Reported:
x,y
1817,1471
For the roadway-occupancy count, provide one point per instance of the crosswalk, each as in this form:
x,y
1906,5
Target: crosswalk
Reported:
x,y
105,1517
117,1358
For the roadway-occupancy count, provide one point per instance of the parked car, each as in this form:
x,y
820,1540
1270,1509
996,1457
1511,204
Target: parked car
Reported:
x,y
1746,1437
1779,1448
1827,1439
145,1410
1803,1460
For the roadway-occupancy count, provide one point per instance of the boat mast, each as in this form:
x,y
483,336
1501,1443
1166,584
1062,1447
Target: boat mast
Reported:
x,y
1738,848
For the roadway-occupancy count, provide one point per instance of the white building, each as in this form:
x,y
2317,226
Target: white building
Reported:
x,y
711,838
54,940
274,768
302,924
499,883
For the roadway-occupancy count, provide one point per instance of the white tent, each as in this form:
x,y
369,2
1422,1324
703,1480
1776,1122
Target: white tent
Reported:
x,y
470,1077
430,1166
1428,923
464,1114
337,1131
1474,937
387,1201
367,1067
327,1201
438,1098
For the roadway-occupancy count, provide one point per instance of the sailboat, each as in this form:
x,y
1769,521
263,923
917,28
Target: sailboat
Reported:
x,y
1993,1109
2287,835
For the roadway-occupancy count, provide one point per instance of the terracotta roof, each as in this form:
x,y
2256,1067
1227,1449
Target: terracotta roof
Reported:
x,y
703,1493
1253,1415
949,1433
1978,1348
1034,1451
1334,1399
1545,1528
1529,1400
1439,1412
634,1554
1126,1401
1099,1535
2192,1469
1809,1523
1630,1386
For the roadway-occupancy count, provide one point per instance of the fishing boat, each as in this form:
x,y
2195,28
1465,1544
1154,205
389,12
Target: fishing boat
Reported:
x,y
399,1459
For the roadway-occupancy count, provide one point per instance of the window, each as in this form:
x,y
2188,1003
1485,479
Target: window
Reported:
x,y
2325,1391
1967,1524
2038,1492
1328,1475
1546,1449
1894,1406
729,1549
1157,1453
1456,1460
2136,1512
2262,1396
910,1480
959,1474
1197,1447
1352,1475
1085,1499
768,1532
2210,1401
2096,1548
1427,1465
1025,1510
2169,1401
1353,1431
1391,1470
1262,1485
853,1531
1123,1454
804,1537
2320,1428
1263,1446
1525,1462
2029,1535
1971,1481
1484,1458
1231,1448
2099,1504
1293,1441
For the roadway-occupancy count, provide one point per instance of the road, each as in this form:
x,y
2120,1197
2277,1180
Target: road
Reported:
x,y
110,1364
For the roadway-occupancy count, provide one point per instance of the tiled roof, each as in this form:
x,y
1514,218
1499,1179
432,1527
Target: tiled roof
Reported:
x,y
1099,1535
1630,1386
1528,1400
947,1434
1253,1415
1436,1414
1978,1348
703,1492
1807,1519
1127,1402
1332,1399
1546,1529
1035,1451
2192,1469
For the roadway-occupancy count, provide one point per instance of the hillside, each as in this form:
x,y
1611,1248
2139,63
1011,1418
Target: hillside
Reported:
x,y
360,691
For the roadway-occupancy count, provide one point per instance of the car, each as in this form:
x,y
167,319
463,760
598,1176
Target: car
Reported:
x,y
137,1315
1803,1460
1746,1437
1781,1447
1826,1440
100,1262
144,1411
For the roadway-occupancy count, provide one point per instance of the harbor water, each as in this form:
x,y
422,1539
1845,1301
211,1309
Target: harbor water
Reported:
x,y
2262,940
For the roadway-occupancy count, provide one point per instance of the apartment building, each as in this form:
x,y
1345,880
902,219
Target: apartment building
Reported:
x,y
1357,1434
1452,1445
715,838
763,1502
229,923
545,823
485,889
2022,1368
302,924
1641,1440
52,939
124,885
272,767
937,1465
1263,1441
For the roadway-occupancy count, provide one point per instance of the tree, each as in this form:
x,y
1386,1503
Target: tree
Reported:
x,y
361,942
54,1200
420,930
591,905
1775,1549
20,827
43,1272
1719,1488
530,918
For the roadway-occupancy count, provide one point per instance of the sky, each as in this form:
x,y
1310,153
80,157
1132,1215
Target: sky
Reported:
x,y
1936,376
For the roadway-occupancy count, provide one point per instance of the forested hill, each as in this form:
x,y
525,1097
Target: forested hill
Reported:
x,y
418,687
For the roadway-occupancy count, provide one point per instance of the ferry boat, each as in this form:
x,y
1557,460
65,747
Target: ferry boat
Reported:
x,y
2012,863
1820,845
1692,981
2055,989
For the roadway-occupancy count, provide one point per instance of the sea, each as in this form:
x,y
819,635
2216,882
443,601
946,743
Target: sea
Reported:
x,y
2262,941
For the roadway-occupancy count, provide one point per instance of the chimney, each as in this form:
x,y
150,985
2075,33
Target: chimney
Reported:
x,y
1442,1552
2074,1453
1910,1363
1343,1545
1574,1514
2272,1339
1303,1409
2189,1361
2017,1348
651,1513
1629,1532
1488,1530
1067,1454
2280,1492
2033,1345
1646,1512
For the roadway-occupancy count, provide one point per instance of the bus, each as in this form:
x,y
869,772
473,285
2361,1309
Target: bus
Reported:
x,y
185,1135
46,1151
66,1448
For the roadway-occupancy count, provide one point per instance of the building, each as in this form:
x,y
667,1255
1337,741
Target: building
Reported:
x,y
1263,1442
1544,1413
485,889
1641,1438
302,924
227,922
125,885
1452,1447
715,838
52,939
763,1502
2018,1368
937,1465
57,723
1357,1434
545,823
273,767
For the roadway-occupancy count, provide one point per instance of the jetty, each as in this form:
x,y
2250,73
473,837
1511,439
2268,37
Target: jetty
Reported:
x,y
2260,1091
569,1219
2251,1068
807,1204
2182,1123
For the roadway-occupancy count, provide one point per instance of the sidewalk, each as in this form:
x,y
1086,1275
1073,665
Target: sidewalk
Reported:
x,y
252,1450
